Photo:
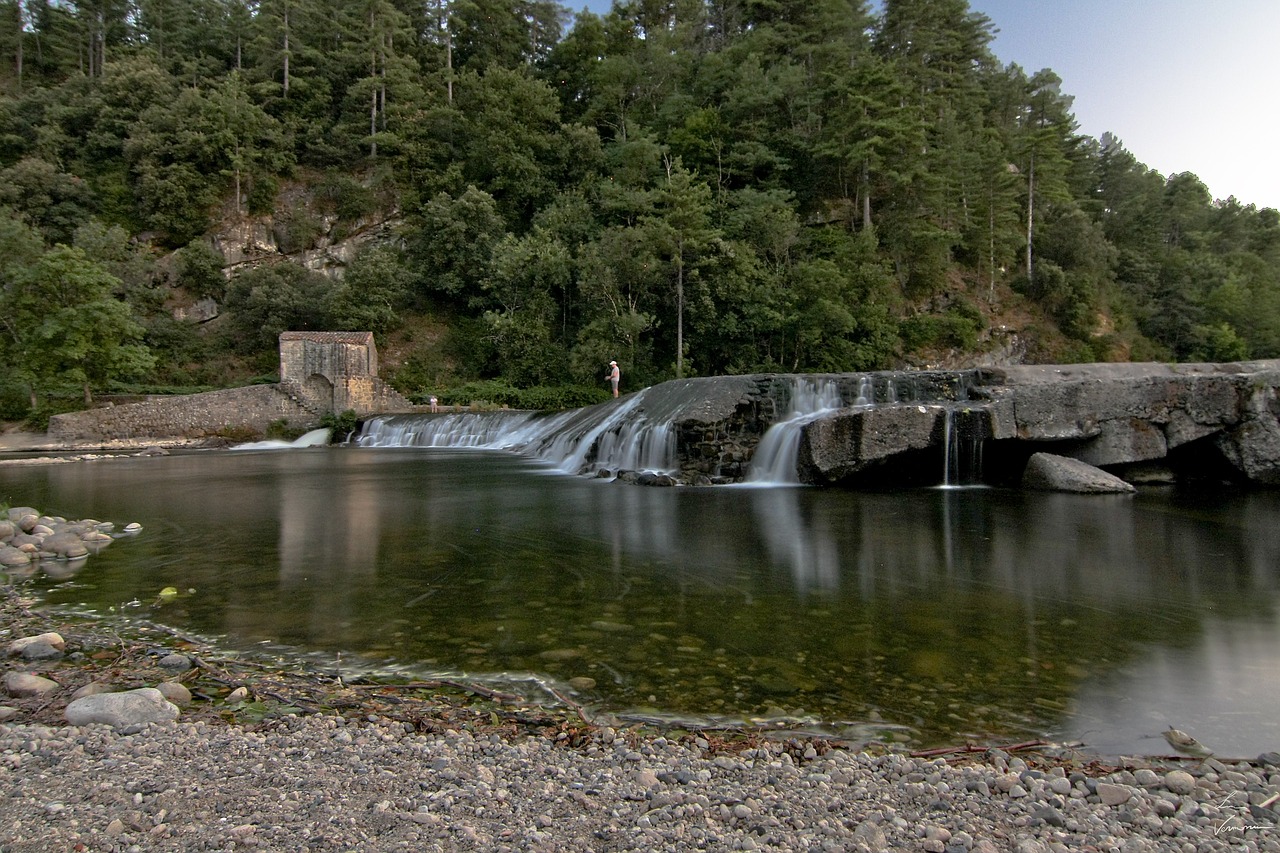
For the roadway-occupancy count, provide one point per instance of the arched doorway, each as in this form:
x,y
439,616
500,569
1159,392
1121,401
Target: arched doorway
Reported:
x,y
319,391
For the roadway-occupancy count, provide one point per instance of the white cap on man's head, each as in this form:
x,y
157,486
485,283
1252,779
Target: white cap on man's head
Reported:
x,y
613,362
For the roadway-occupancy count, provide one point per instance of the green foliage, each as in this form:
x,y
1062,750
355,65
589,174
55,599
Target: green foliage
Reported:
x,y
953,330
198,270
342,425
296,229
484,394
264,301
376,287
750,187
54,202
345,197
282,430
496,393
14,402
66,325
557,397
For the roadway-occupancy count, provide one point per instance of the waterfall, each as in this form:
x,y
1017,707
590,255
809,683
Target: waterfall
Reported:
x,y
314,438
640,432
774,461
619,437
961,453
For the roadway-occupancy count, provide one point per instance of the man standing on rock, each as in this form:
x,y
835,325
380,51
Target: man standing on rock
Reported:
x,y
613,376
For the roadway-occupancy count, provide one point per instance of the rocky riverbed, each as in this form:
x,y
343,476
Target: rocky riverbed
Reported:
x,y
289,760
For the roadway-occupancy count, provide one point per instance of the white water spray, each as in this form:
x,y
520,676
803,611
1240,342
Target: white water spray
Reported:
x,y
774,462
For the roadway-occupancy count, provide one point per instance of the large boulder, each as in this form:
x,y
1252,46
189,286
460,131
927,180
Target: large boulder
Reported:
x,y
66,545
1254,449
120,710
1047,472
846,443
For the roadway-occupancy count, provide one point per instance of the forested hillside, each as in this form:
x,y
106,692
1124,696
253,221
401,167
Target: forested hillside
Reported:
x,y
688,186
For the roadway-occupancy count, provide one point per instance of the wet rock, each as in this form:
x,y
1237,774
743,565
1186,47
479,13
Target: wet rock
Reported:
x,y
11,557
23,684
120,710
24,517
40,651
175,692
26,542
66,545
1146,778
1047,472
175,663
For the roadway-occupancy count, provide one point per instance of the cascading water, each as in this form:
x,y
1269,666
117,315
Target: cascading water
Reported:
x,y
638,433
774,462
580,441
961,454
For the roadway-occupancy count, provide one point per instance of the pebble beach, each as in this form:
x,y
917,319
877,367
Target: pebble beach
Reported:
x,y
328,783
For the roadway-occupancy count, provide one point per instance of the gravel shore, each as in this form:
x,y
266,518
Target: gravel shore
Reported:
x,y
326,783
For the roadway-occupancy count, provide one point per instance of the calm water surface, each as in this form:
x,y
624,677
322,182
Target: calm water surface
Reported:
x,y
928,615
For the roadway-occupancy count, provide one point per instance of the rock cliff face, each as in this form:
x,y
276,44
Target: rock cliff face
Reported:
x,y
1223,418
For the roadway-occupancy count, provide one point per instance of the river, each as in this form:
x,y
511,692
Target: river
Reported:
x,y
925,616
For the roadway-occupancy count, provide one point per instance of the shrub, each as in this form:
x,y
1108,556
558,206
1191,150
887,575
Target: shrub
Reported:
x,y
342,425
551,398
280,429
296,229
951,330
198,269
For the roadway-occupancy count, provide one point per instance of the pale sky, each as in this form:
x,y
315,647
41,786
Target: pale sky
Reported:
x,y
1188,86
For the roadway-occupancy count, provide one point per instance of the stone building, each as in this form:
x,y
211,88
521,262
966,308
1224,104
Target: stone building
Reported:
x,y
336,371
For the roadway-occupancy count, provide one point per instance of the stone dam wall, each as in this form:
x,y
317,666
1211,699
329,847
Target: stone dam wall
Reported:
x,y
206,415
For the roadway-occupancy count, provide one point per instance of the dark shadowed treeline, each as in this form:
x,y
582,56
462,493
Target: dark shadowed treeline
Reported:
x,y
697,186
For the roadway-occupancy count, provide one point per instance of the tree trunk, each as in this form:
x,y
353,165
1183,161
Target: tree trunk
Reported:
x,y
864,189
88,395
1031,209
991,248
680,309
18,53
286,52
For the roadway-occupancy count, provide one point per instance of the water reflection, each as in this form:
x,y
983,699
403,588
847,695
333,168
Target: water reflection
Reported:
x,y
956,613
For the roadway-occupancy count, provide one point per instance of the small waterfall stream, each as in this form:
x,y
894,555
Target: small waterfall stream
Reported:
x,y
774,462
961,454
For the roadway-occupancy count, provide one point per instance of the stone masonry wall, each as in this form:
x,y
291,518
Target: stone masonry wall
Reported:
x,y
190,416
